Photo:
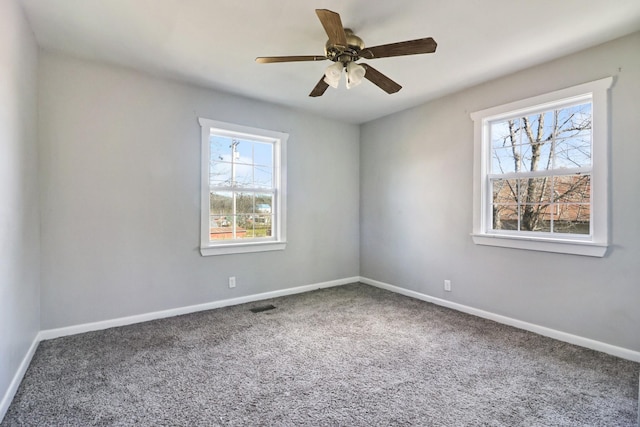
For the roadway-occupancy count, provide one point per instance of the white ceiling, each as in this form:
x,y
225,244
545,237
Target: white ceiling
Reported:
x,y
213,43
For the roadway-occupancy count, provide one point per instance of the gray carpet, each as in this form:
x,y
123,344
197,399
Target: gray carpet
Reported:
x,y
347,356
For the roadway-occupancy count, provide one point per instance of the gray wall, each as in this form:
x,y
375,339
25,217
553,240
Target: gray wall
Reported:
x,y
120,191
19,216
416,208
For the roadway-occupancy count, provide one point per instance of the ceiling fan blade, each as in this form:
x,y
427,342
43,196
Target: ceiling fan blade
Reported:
x,y
411,47
272,59
380,80
320,88
333,26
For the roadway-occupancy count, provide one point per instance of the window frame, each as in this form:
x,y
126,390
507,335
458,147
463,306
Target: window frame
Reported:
x,y
594,245
234,246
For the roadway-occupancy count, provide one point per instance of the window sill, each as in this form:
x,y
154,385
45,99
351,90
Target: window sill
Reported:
x,y
544,245
241,248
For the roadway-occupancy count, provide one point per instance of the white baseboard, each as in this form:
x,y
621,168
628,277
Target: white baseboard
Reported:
x,y
621,352
122,321
17,378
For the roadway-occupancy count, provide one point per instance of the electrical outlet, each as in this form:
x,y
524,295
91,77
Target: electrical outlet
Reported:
x,y
447,285
232,281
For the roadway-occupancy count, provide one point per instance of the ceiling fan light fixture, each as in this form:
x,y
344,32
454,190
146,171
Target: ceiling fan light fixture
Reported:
x,y
332,74
333,83
355,74
344,48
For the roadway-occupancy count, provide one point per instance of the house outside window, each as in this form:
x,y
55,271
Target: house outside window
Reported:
x,y
541,176
243,189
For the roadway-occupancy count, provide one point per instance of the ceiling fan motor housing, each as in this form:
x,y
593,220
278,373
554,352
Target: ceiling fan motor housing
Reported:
x,y
345,54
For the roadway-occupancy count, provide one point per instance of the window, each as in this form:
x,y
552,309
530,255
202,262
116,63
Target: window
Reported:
x,y
243,189
540,177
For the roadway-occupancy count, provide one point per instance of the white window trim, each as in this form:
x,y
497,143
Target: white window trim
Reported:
x,y
598,243
279,240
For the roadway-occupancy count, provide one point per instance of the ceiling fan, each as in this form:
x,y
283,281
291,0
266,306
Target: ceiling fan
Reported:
x,y
344,48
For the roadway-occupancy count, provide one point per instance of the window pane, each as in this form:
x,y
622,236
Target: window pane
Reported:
x,y
221,227
504,133
505,160
535,190
263,154
536,157
535,217
245,203
220,203
573,218
573,152
264,215
219,173
539,127
244,228
264,203
574,120
220,148
221,234
505,191
263,226
572,189
219,160
263,177
505,217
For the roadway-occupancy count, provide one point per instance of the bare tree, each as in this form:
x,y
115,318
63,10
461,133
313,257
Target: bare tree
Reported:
x,y
554,141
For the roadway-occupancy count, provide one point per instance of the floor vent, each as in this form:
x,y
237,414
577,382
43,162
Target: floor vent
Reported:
x,y
262,308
